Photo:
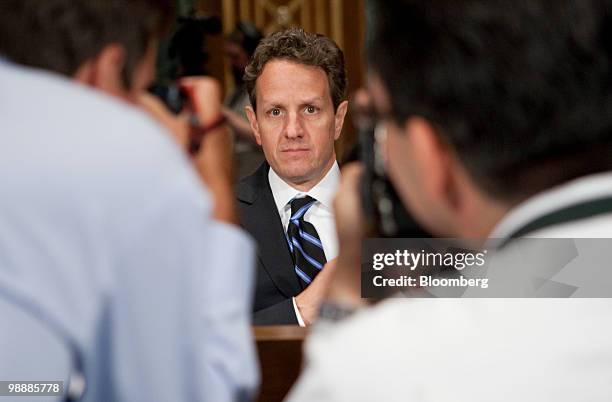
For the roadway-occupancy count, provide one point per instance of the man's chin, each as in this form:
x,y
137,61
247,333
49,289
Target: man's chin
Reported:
x,y
296,176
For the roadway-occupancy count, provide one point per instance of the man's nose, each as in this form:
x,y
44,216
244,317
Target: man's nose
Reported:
x,y
293,128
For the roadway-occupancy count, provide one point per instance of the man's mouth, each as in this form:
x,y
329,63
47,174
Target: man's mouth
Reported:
x,y
295,150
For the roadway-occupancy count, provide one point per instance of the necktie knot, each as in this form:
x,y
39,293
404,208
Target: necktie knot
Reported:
x,y
299,206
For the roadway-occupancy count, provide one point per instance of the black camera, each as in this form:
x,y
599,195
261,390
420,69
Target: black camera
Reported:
x,y
186,56
188,44
383,208
173,96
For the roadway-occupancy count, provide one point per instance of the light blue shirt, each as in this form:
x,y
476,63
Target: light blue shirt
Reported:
x,y
107,245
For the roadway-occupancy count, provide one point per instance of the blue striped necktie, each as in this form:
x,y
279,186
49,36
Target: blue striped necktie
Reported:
x,y
304,243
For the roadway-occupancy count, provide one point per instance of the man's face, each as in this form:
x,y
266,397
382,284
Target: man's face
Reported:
x,y
295,121
429,177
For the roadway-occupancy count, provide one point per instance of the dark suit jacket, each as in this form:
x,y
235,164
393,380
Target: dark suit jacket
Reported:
x,y
276,281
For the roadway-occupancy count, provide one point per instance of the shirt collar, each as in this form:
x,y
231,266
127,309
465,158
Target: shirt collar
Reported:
x,y
323,192
576,191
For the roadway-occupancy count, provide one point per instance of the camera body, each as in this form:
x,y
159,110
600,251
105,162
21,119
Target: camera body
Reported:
x,y
382,206
174,97
186,52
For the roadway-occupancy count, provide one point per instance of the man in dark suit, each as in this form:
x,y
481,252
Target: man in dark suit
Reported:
x,y
296,83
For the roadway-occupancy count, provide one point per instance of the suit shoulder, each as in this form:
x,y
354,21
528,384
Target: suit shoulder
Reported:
x,y
250,186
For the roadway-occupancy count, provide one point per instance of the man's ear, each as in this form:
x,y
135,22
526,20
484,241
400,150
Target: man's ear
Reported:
x,y
104,71
253,121
339,118
433,158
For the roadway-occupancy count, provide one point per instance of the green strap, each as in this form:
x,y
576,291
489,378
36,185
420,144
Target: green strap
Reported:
x,y
572,213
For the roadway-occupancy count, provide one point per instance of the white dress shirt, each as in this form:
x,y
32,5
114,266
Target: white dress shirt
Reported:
x,y
320,215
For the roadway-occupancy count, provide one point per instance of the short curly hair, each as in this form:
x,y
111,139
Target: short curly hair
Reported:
x,y
294,44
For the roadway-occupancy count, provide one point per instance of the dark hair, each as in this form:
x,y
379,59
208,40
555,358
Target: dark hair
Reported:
x,y
60,35
521,90
310,49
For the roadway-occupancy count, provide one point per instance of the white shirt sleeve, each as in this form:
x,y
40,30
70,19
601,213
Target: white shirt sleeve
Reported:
x,y
300,320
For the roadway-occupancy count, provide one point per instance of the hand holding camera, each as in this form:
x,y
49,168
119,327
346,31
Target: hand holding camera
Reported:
x,y
200,131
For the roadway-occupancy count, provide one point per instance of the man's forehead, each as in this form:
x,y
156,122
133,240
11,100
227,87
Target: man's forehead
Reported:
x,y
276,66
283,78
301,98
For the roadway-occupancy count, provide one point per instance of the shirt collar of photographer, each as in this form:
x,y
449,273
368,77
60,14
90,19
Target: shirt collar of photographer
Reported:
x,y
581,190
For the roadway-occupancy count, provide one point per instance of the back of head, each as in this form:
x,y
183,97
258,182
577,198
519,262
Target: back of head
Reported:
x,y
60,35
296,45
521,90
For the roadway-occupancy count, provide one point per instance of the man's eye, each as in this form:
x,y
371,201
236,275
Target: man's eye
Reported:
x,y
311,109
275,112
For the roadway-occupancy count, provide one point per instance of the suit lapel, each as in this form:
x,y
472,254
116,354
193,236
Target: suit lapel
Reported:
x,y
260,218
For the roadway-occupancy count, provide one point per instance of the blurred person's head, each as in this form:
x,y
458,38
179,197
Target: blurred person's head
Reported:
x,y
188,44
240,45
106,44
489,102
296,83
360,104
